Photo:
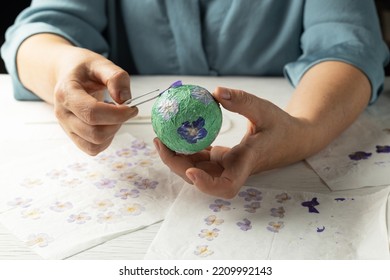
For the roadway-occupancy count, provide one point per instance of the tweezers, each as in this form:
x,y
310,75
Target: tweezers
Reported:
x,y
129,101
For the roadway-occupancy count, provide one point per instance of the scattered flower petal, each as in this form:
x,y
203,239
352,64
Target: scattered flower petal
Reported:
x,y
359,155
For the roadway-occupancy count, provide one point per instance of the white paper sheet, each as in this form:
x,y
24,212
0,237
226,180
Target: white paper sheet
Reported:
x,y
275,224
360,157
61,202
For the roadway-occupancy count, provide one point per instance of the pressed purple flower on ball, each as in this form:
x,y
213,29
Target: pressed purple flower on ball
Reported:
x,y
383,149
359,155
202,95
192,132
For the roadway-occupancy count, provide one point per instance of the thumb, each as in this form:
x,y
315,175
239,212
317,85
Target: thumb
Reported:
x,y
243,103
116,80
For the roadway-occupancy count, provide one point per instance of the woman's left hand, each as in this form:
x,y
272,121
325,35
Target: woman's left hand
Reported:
x,y
221,171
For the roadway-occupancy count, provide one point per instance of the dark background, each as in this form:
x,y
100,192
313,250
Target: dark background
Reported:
x,y
9,14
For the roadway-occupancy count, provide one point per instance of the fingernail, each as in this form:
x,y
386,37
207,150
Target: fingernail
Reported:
x,y
226,94
124,95
191,177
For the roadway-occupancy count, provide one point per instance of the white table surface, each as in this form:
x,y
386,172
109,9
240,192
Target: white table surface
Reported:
x,y
28,127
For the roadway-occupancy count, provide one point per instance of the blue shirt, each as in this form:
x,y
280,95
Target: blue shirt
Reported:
x,y
215,37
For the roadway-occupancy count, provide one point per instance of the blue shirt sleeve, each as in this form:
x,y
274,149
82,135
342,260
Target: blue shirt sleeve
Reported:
x,y
342,30
57,17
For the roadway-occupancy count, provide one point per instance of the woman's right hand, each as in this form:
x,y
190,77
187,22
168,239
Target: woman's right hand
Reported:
x,y
78,99
74,80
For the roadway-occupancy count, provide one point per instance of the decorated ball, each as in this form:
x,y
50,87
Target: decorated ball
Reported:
x,y
186,118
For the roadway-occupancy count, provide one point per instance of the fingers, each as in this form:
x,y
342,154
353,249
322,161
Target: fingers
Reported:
x,y
91,124
246,104
219,171
95,134
87,108
176,163
91,139
116,80
89,147
237,166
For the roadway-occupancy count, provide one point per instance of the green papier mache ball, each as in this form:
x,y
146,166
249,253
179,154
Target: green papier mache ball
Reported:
x,y
186,118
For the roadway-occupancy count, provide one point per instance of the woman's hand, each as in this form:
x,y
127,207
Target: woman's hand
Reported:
x,y
329,97
74,80
78,100
221,171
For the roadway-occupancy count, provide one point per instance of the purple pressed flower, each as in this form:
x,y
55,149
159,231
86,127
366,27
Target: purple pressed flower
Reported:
x,y
209,234
40,239
102,205
202,95
192,132
213,220
383,149
251,208
105,158
359,155
78,166
20,202
176,84
56,174
120,165
126,153
80,218
321,229
280,198
203,251
125,193
134,209
138,144
251,194
61,206
310,205
219,205
275,226
105,184
245,225
278,212
109,217
145,184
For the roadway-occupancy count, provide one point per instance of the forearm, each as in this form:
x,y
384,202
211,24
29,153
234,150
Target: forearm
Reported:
x,y
37,62
329,98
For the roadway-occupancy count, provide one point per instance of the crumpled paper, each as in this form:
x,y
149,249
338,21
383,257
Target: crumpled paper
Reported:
x,y
62,201
267,224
